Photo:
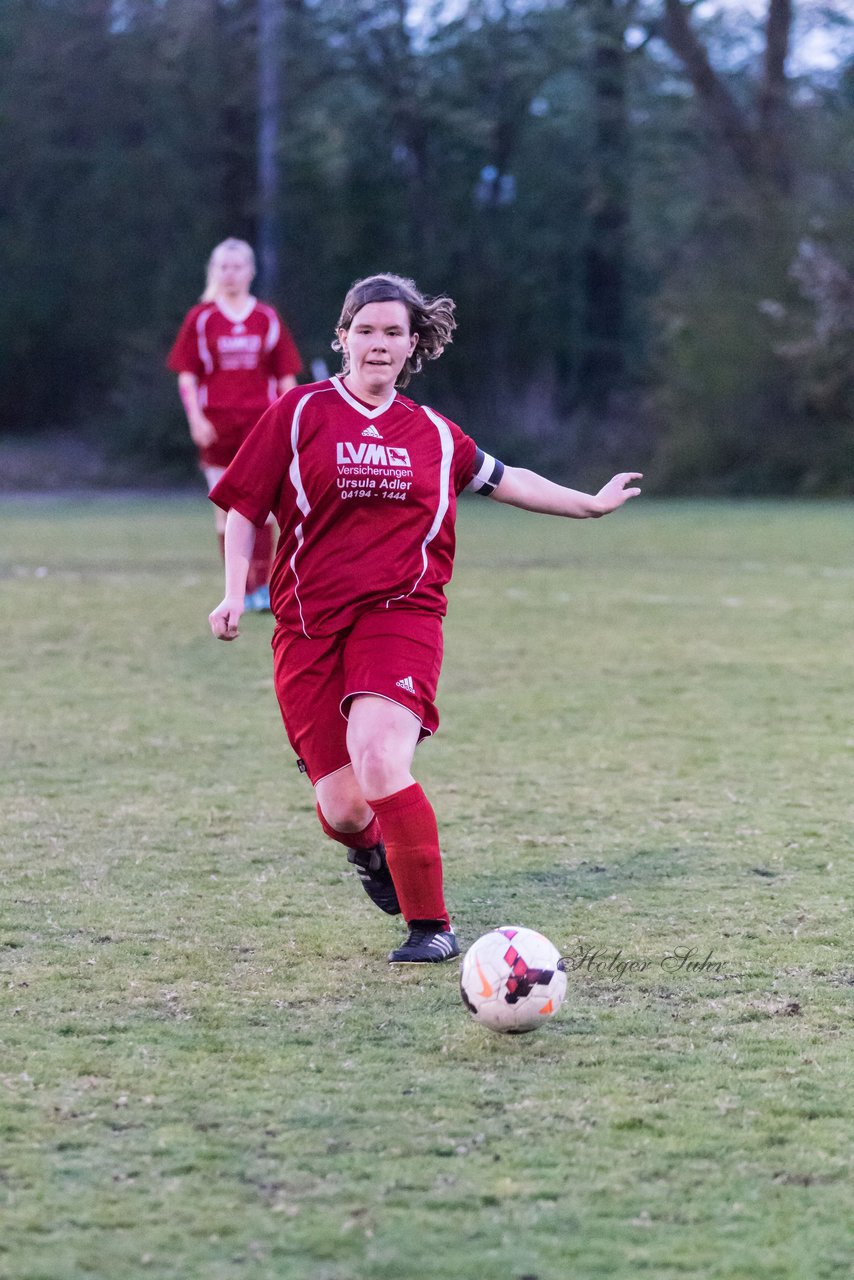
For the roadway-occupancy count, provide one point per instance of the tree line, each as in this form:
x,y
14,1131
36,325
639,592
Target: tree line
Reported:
x,y
642,207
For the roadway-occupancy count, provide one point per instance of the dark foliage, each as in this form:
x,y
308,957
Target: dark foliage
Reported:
x,y
621,221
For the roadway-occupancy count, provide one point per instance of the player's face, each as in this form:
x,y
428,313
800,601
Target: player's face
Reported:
x,y
377,344
233,273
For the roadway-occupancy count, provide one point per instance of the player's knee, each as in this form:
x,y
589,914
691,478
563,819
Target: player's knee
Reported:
x,y
344,814
380,767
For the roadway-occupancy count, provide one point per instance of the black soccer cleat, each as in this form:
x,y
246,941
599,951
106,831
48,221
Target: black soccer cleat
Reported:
x,y
372,870
425,945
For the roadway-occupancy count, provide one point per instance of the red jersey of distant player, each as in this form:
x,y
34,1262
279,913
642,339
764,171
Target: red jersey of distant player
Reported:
x,y
238,360
365,498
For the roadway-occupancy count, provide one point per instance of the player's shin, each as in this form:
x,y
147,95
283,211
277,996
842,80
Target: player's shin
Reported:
x,y
412,848
366,854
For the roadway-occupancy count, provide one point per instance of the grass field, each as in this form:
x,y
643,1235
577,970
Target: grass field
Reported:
x,y
208,1070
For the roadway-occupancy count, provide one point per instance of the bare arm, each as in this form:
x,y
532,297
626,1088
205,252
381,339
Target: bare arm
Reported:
x,y
532,492
239,541
201,428
285,384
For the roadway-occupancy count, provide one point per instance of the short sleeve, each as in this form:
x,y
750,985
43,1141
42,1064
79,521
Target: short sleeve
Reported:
x,y
253,482
184,356
464,449
474,469
284,357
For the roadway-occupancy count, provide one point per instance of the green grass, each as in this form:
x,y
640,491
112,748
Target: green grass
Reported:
x,y
208,1069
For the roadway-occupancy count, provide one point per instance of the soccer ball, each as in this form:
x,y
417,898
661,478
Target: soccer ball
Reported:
x,y
512,979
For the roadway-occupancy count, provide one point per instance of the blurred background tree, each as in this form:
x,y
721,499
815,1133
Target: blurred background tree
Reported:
x,y
642,207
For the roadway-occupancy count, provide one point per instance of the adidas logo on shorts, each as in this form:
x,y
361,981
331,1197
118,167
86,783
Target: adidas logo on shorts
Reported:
x,y
406,683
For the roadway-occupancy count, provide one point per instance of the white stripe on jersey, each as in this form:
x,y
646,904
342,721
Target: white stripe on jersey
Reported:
x,y
447,443
237,317
274,329
355,404
201,338
302,498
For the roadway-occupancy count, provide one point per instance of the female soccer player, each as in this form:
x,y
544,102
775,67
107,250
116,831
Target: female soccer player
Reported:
x,y
364,483
233,356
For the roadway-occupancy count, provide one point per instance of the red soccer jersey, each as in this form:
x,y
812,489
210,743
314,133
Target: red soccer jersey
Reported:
x,y
365,498
236,358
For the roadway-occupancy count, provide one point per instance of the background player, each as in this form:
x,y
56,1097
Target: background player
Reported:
x,y
234,357
364,483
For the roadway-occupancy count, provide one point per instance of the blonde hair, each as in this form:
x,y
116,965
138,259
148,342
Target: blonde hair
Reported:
x,y
231,244
431,318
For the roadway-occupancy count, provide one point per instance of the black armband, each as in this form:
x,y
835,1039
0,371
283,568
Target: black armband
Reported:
x,y
487,473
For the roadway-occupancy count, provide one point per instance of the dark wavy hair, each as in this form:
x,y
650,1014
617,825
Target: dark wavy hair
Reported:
x,y
431,318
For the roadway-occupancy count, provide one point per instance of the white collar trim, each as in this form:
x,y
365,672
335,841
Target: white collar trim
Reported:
x,y
357,404
237,317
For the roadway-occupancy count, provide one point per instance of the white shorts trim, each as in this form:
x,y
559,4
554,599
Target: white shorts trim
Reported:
x,y
371,693
332,772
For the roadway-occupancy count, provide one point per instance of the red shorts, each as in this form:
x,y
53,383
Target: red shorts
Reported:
x,y
232,426
396,654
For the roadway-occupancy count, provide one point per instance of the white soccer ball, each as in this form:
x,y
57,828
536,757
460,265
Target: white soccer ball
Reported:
x,y
512,979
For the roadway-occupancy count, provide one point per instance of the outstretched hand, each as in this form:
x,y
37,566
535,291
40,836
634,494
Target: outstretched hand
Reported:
x,y
614,493
225,619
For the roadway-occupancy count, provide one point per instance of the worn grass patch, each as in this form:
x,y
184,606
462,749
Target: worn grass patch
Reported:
x,y
208,1070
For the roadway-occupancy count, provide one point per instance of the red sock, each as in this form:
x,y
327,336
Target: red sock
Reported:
x,y
412,848
353,839
259,565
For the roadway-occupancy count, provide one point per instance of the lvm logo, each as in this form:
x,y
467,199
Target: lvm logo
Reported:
x,y
371,455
